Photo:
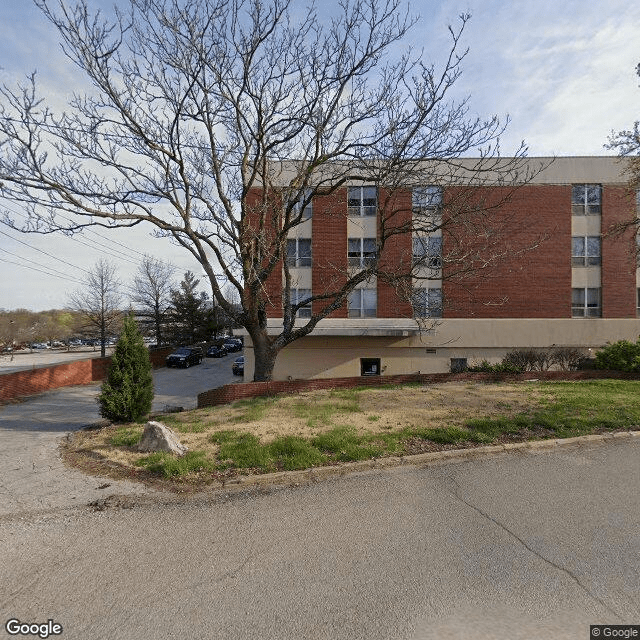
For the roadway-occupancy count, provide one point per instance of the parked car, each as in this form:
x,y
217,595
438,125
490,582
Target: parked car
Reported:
x,y
233,344
238,366
184,357
217,351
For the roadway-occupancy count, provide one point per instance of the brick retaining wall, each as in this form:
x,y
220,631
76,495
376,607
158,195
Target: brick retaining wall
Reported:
x,y
231,392
32,381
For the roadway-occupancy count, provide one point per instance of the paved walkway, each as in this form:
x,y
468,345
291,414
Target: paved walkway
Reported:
x,y
32,475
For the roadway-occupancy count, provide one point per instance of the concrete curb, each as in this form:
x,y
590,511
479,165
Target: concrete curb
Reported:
x,y
95,500
316,474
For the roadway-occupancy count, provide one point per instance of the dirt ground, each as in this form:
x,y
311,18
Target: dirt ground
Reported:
x,y
308,414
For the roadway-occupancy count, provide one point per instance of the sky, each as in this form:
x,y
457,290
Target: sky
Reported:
x,y
563,73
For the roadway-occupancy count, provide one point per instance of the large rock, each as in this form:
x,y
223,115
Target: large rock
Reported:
x,y
158,437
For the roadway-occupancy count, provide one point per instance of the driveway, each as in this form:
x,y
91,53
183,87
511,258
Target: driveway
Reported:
x,y
517,546
32,476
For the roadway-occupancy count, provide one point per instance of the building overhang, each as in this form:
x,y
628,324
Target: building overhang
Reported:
x,y
374,327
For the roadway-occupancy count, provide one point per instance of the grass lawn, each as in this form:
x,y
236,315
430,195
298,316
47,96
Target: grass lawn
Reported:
x,y
328,427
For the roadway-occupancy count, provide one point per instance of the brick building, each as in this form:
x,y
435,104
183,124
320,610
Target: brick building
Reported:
x,y
558,278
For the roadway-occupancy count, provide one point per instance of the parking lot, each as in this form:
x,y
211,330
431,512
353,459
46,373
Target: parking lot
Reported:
x,y
30,431
180,387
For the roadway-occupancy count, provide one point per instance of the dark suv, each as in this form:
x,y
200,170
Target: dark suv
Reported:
x,y
232,345
185,357
238,366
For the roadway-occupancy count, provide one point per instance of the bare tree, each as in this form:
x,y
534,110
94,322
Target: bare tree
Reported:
x,y
152,293
99,301
19,326
198,108
627,144
9,332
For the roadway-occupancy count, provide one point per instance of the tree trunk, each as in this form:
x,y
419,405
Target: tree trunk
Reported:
x,y
158,330
103,337
265,359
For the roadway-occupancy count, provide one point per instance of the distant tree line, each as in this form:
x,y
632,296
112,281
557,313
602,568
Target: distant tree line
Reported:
x,y
165,311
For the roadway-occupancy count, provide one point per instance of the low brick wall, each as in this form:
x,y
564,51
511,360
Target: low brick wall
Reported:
x,y
32,381
231,392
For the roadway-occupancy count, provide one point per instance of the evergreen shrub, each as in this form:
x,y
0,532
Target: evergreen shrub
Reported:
x,y
127,393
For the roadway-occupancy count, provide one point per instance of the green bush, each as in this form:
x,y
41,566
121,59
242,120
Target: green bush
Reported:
x,y
619,356
500,367
127,393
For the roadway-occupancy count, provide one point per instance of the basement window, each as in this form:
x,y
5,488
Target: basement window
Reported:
x,y
369,366
458,365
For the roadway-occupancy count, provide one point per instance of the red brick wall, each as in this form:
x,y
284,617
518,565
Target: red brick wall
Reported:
x,y
618,255
530,232
257,212
232,392
32,381
396,258
329,247
522,283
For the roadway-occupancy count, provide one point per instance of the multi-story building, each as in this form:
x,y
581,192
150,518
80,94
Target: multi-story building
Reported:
x,y
557,275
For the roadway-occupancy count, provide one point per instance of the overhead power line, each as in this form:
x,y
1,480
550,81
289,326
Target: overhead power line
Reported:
x,y
88,242
46,253
53,271
25,266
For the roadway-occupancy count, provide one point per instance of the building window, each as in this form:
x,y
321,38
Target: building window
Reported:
x,y
427,251
585,303
363,303
427,303
586,199
426,205
362,201
426,199
638,303
369,366
299,252
299,296
585,251
307,210
361,252
458,365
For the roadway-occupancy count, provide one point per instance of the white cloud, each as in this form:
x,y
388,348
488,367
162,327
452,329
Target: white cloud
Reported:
x,y
564,71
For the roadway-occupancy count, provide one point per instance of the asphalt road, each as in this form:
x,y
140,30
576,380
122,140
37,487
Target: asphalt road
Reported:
x,y
513,546
32,475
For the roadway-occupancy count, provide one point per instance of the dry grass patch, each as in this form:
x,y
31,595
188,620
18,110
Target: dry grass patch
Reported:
x,y
365,411
329,427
